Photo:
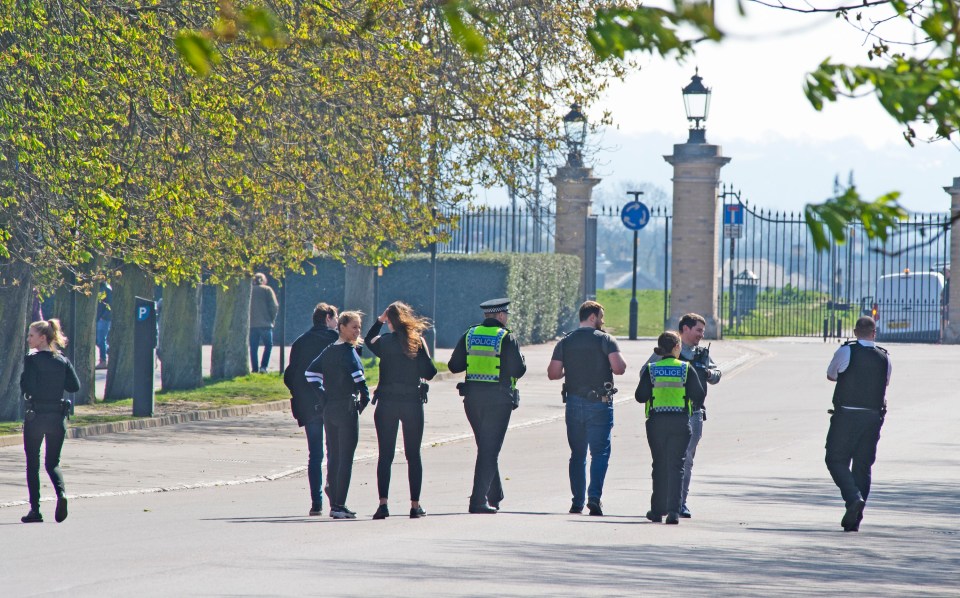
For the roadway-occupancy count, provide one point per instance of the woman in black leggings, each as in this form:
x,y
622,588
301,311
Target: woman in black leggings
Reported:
x,y
338,378
47,374
404,363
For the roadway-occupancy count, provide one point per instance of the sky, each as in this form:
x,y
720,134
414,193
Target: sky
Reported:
x,y
784,153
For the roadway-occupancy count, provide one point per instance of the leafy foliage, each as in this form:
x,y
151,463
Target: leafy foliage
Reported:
x,y
833,216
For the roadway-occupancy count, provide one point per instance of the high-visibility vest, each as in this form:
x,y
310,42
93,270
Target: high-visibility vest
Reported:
x,y
483,354
669,376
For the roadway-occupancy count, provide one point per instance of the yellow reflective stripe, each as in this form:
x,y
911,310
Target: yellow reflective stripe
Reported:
x,y
666,384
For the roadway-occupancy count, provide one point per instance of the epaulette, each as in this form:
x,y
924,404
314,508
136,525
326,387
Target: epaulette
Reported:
x,y
848,343
885,352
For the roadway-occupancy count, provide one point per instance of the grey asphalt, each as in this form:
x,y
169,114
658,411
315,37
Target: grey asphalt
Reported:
x,y
219,508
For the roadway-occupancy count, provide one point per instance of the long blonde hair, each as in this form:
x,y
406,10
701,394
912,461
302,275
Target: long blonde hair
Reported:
x,y
408,326
52,331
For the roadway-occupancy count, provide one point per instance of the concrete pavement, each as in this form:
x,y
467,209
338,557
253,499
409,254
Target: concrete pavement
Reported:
x,y
766,515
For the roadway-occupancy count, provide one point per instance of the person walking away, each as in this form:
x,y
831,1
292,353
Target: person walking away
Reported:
x,y
263,314
46,376
400,396
669,390
491,358
104,319
691,328
589,358
304,402
862,371
338,379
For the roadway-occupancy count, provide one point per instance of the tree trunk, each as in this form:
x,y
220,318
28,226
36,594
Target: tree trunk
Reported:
x,y
16,300
83,341
230,356
181,357
359,290
133,283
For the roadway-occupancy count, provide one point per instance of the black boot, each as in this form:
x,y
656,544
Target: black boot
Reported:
x,y
61,513
33,516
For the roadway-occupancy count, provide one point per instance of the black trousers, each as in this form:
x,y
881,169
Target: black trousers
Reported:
x,y
390,415
668,435
853,438
53,427
342,427
489,418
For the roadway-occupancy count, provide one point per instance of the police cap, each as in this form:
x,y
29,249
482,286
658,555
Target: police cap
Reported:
x,y
495,306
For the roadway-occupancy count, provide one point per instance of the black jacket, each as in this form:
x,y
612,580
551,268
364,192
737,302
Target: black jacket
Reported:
x,y
304,400
399,375
337,374
45,378
512,364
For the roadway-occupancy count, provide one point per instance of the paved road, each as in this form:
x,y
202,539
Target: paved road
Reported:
x,y
766,515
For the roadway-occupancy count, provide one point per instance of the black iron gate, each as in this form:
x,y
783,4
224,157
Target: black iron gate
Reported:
x,y
774,283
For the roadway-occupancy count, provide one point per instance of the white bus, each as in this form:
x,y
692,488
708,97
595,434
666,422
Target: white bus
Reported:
x,y
909,306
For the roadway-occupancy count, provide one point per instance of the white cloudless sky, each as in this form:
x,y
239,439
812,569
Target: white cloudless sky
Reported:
x,y
784,152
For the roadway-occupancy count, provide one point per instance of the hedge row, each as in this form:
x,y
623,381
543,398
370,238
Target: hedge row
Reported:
x,y
543,288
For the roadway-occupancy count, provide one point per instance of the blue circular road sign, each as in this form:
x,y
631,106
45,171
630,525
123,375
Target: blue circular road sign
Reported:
x,y
635,215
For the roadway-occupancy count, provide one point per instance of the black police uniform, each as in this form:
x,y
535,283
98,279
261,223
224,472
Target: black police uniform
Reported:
x,y
342,388
488,407
668,435
859,407
399,402
305,402
45,378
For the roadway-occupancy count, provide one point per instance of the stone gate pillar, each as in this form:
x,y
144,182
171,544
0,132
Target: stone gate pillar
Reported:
x,y
695,238
951,333
574,189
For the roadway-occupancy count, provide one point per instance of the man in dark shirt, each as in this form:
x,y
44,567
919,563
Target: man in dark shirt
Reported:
x,y
589,358
304,402
263,313
491,358
861,370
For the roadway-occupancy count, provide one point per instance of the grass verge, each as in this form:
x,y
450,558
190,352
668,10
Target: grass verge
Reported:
x,y
616,304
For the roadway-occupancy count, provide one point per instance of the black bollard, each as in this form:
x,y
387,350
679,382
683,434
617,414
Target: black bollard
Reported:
x,y
144,356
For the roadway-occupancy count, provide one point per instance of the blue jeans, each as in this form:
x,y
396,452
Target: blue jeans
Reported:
x,y
589,425
258,336
103,329
314,431
696,433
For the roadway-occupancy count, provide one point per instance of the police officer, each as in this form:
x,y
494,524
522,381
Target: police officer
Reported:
x,y
338,378
861,370
670,391
491,357
692,327
47,374
305,402
588,357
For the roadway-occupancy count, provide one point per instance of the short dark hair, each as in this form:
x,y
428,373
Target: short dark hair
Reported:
x,y
589,308
865,326
690,320
321,312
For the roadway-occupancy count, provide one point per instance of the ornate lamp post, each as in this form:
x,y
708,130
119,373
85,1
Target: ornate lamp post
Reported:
x,y
696,103
575,231
694,255
575,134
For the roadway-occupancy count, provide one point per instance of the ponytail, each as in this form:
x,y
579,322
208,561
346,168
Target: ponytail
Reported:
x,y
53,332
